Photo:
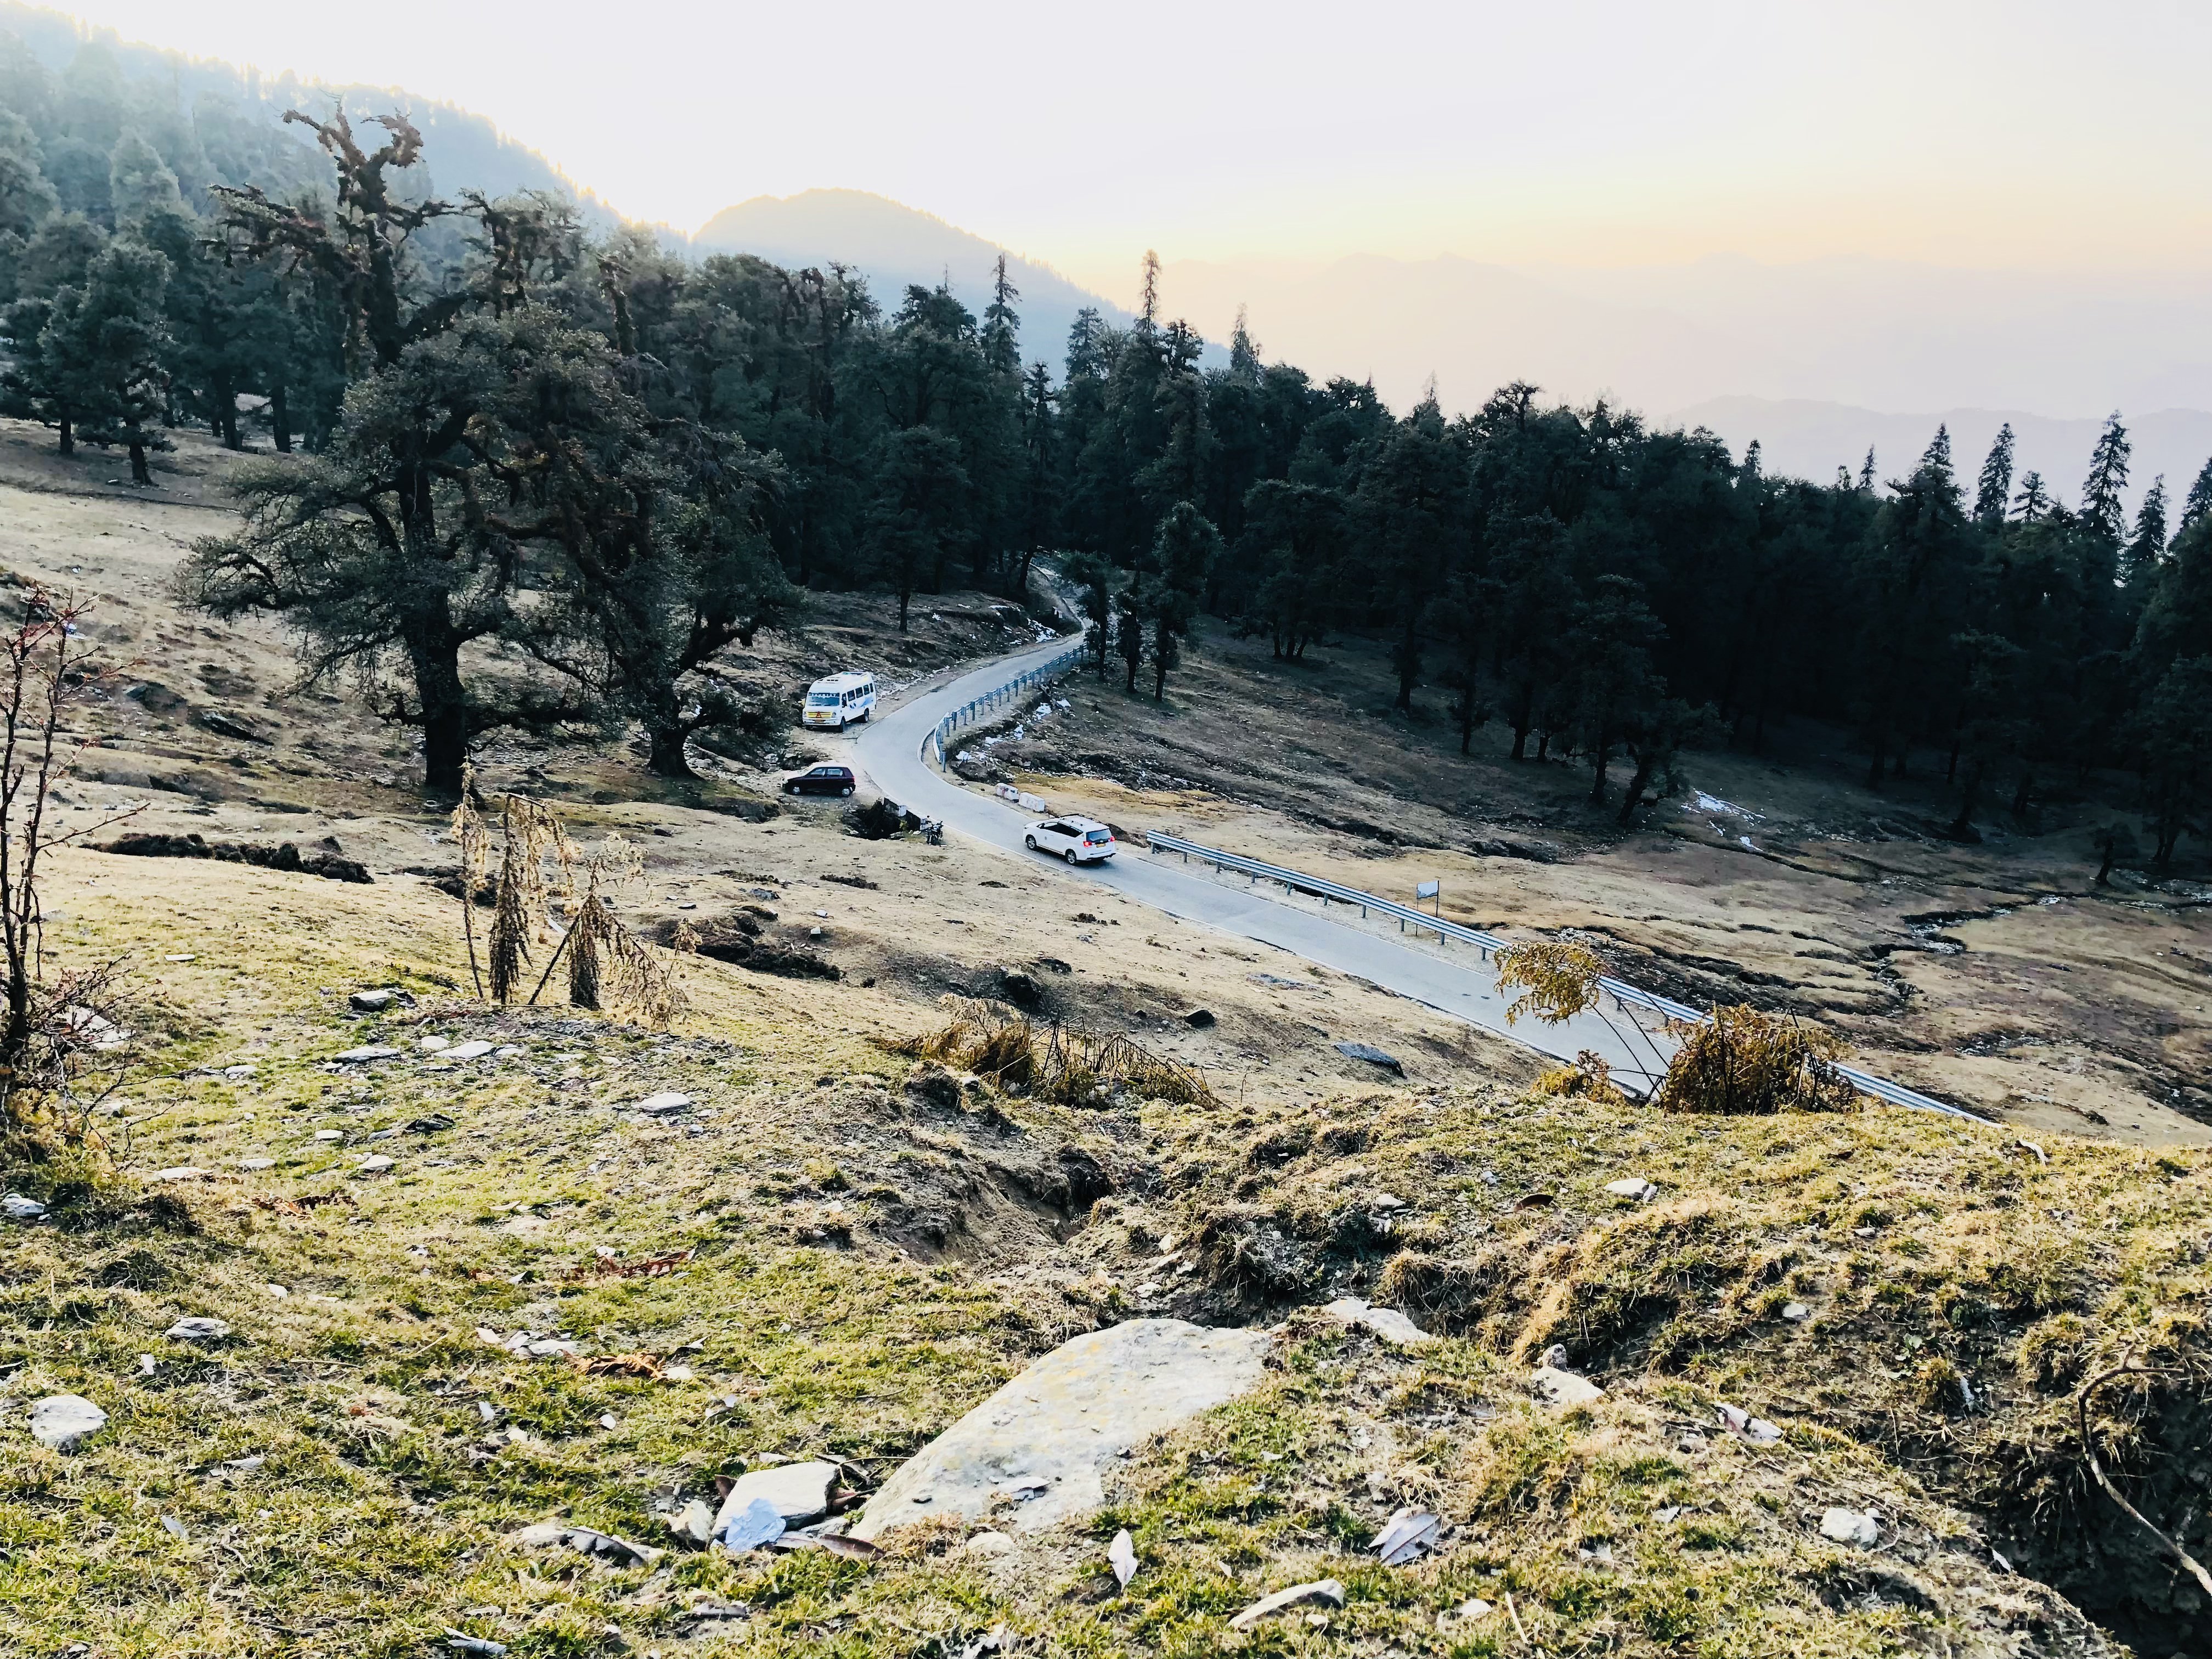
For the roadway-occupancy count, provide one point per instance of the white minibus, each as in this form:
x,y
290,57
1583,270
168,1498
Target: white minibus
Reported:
x,y
840,700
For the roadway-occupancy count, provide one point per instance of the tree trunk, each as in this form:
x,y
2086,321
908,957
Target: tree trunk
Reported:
x,y
139,475
280,419
906,596
435,656
226,413
68,437
1638,783
1598,764
667,758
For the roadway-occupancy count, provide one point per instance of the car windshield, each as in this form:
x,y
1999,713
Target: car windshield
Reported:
x,y
821,699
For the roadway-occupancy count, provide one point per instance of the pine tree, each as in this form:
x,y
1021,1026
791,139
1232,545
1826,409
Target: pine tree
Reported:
x,y
1748,473
2197,504
1866,473
2146,548
1243,350
2033,502
106,344
140,183
1148,310
1994,489
1001,326
2101,507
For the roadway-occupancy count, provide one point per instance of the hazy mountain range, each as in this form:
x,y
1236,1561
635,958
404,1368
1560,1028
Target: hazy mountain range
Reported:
x,y
896,245
1806,357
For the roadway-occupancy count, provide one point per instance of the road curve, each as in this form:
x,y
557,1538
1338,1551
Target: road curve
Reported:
x,y
890,750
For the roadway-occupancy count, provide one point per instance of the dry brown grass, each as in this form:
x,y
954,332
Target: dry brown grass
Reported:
x,y
1742,1061
1055,1063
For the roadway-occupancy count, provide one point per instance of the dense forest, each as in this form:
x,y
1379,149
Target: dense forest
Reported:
x,y
553,475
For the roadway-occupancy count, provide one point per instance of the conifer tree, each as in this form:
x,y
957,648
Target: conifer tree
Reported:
x,y
2197,504
2101,507
1994,491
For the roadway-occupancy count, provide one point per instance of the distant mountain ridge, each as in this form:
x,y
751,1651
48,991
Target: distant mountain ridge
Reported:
x,y
895,247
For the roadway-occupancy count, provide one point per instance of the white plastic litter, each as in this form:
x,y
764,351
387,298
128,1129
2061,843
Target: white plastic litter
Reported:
x,y
1851,1527
1121,1554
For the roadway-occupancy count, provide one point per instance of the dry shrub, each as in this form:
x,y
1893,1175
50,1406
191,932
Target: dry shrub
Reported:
x,y
1743,1061
1052,1063
1590,1077
1557,980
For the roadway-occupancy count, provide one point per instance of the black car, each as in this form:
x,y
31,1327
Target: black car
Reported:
x,y
822,781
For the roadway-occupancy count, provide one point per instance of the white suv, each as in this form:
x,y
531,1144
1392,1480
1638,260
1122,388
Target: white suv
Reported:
x,y
1079,841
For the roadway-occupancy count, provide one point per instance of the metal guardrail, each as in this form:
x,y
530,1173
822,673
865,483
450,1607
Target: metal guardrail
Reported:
x,y
1297,881
1004,697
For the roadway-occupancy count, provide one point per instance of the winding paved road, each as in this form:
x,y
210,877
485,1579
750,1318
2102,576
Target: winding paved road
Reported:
x,y
890,750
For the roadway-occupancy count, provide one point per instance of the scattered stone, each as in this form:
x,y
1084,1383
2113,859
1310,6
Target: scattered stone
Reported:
x,y
434,1044
1406,1536
1560,1387
663,1105
798,1492
197,1327
694,1523
181,1172
757,1524
587,1540
1047,1437
990,1544
934,1083
1386,1322
1468,1611
508,1051
375,1002
1374,1056
365,1054
279,1291
375,1164
174,1528
1795,1312
1018,989
330,1134
62,1421
1742,1424
462,1642
16,1207
473,1049
1635,1189
1852,1527
1322,1590
1199,1019
1121,1556
433,1123
256,1164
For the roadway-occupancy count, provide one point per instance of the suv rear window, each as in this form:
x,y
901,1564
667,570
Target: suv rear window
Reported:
x,y
1097,837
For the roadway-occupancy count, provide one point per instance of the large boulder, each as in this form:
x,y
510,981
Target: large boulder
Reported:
x,y
1037,1451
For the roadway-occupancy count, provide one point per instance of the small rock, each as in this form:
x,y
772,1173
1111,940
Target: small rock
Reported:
x,y
1386,1322
433,1124
662,1105
1468,1611
330,1134
375,1002
1852,1527
1322,1590
362,1056
461,1643
374,1165
1795,1312
695,1521
1405,1536
1757,1430
508,1051
197,1327
16,1207
990,1544
182,1172
256,1164
1199,1019
1635,1189
62,1421
1122,1555
474,1049
757,1524
434,1044
798,1492
1561,1388
1373,1056
174,1528
279,1291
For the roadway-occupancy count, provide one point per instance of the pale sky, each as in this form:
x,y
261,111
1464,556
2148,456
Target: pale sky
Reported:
x,y
2037,132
